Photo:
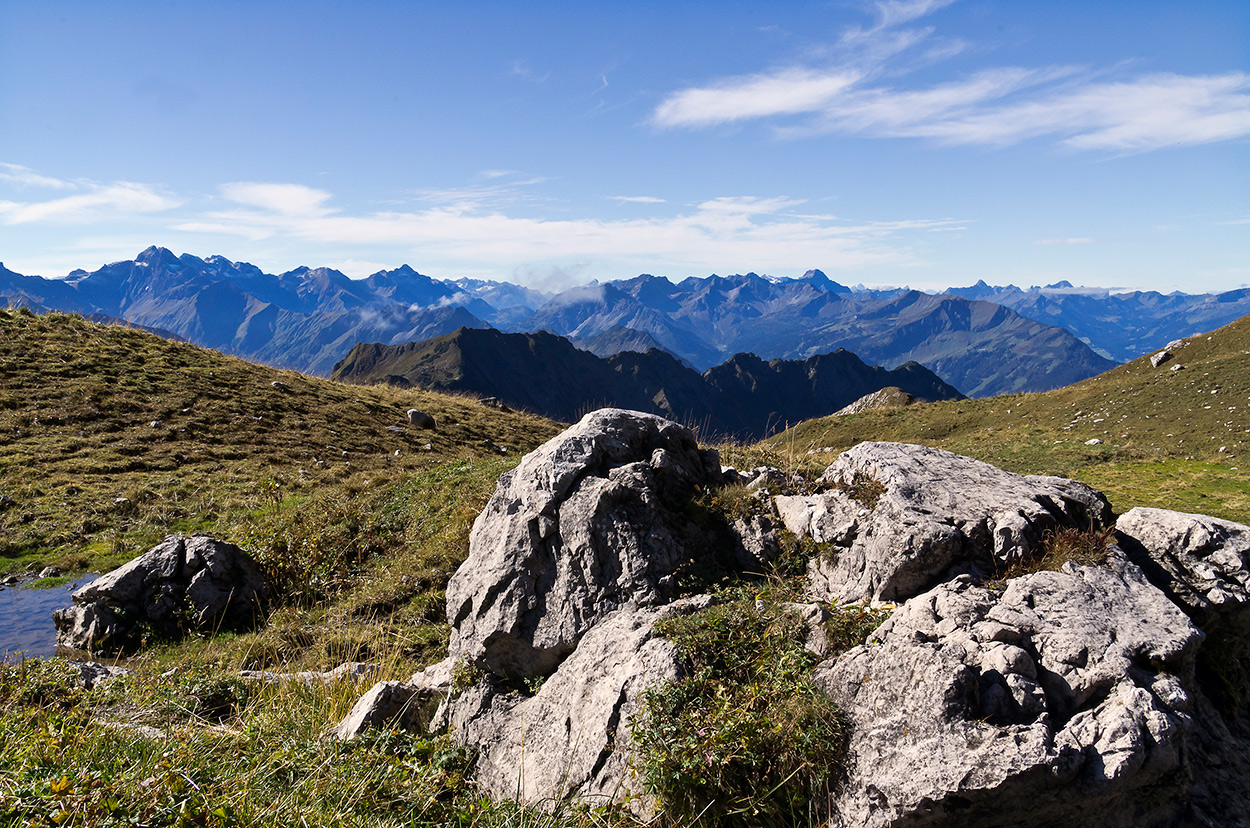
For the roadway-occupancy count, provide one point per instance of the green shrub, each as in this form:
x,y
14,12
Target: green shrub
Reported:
x,y
744,737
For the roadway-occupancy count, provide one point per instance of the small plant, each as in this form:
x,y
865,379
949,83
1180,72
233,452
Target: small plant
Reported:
x,y
464,676
863,488
743,737
1087,547
851,625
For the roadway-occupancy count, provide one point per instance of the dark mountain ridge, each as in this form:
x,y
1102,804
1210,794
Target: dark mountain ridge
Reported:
x,y
542,372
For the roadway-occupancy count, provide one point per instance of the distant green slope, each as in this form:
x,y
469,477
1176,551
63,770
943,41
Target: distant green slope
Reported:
x,y
1170,438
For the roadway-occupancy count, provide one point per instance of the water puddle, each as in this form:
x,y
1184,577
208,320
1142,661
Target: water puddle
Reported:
x,y
26,618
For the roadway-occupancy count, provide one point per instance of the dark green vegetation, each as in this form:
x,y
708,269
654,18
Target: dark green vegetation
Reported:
x,y
744,738
1172,439
745,396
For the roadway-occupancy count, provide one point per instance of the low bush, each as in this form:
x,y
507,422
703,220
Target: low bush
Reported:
x,y
744,737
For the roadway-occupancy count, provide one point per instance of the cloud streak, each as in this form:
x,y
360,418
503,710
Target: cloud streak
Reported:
x,y
864,93
102,202
765,233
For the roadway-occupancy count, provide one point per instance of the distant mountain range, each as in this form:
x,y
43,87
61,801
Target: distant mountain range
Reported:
x,y
981,339
1120,326
744,397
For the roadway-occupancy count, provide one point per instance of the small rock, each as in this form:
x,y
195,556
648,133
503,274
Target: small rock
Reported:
x,y
396,429
49,572
154,424
1177,367
1160,358
387,704
278,385
197,582
494,402
353,670
1093,441
94,673
420,419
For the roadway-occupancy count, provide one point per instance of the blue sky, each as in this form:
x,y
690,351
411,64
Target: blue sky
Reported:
x,y
921,142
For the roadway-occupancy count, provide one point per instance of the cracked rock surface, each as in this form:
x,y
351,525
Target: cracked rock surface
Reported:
x,y
571,738
1024,706
584,525
933,514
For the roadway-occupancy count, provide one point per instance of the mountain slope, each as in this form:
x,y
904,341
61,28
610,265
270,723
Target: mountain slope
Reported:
x,y
1175,437
1121,326
114,437
984,340
745,396
978,347
306,318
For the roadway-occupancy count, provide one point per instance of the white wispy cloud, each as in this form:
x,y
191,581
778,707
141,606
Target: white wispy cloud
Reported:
x,y
26,177
862,90
101,202
638,199
896,12
786,92
286,199
723,232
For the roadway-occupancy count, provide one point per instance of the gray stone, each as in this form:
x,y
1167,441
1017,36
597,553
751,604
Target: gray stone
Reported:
x,y
420,419
588,522
885,398
1158,359
1199,561
1066,698
437,678
348,671
386,704
571,738
180,584
936,514
93,673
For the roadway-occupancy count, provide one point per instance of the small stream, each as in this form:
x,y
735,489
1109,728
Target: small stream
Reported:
x,y
26,618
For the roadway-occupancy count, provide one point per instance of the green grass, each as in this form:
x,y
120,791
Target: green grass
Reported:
x,y
743,737
1170,439
111,438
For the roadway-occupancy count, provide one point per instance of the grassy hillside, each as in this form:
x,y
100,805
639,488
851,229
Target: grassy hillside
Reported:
x,y
1177,439
111,438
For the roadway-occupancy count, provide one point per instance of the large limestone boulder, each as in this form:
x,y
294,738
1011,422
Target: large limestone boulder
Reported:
x,y
589,522
572,737
901,518
183,583
1200,561
1065,698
